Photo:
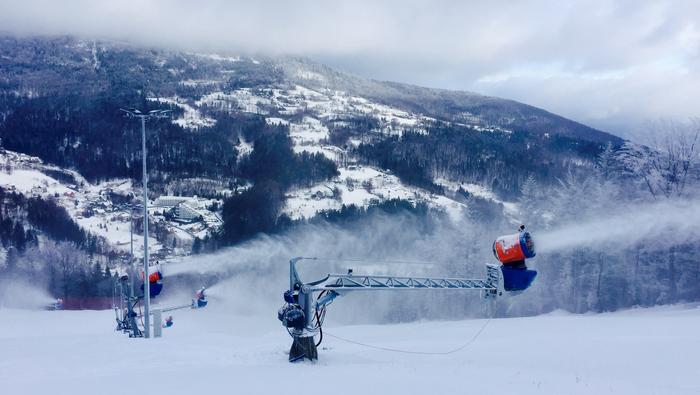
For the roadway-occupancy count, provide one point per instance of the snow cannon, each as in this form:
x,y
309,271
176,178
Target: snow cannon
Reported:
x,y
512,251
155,283
56,305
200,299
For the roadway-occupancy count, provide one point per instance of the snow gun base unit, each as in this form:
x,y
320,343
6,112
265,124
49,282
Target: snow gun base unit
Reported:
x,y
305,303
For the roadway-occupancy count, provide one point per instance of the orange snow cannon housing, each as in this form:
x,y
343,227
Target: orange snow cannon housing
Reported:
x,y
155,282
154,277
514,248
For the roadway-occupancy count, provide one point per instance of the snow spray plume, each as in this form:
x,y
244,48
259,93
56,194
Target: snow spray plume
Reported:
x,y
664,222
254,274
18,294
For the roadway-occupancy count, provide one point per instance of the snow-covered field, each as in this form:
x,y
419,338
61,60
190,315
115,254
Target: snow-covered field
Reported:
x,y
212,351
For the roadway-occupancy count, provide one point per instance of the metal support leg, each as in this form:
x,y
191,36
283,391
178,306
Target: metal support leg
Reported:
x,y
304,345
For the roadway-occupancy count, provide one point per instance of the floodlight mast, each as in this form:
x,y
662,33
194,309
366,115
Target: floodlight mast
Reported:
x,y
153,114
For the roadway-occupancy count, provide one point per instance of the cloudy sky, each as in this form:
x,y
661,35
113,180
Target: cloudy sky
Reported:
x,y
613,64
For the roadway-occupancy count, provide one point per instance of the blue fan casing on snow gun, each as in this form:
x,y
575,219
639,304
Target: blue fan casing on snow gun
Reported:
x,y
517,279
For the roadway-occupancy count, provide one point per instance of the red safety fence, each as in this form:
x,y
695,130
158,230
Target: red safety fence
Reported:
x,y
92,303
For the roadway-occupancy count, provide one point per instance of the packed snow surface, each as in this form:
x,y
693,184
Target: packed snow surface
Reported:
x,y
219,350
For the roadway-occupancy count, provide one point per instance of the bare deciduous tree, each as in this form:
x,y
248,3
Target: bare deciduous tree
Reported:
x,y
666,166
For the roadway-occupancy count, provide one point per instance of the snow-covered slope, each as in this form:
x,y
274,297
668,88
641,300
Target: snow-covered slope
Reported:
x,y
324,108
191,118
324,104
362,186
644,351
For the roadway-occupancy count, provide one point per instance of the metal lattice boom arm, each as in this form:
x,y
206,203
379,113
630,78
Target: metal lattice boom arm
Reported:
x,y
348,282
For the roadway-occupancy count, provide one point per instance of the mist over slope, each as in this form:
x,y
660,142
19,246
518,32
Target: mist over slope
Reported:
x,y
592,263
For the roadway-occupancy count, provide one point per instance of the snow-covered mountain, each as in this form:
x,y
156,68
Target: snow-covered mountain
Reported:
x,y
59,101
275,157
